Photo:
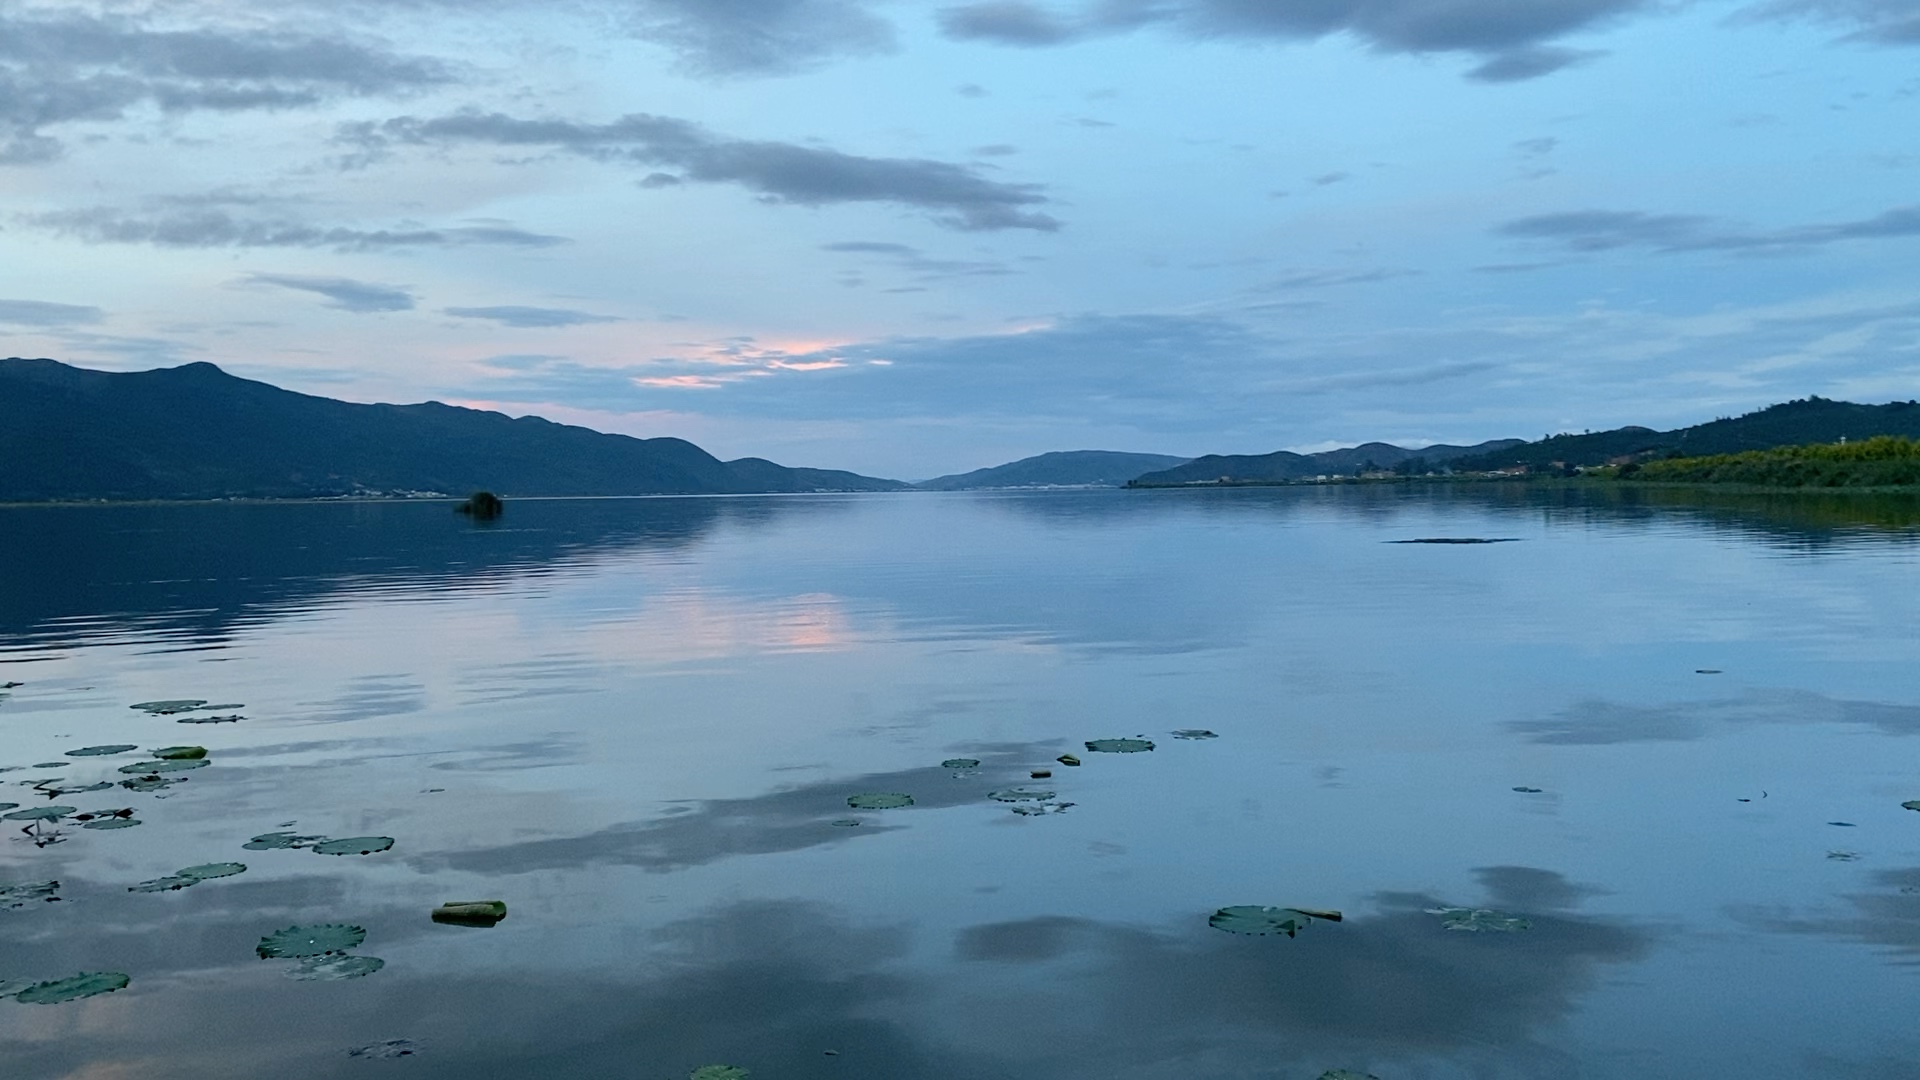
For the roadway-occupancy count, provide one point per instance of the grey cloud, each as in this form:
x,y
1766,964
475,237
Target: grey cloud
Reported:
x,y
1513,36
42,313
513,315
346,294
72,68
1601,230
218,228
1881,22
958,196
723,38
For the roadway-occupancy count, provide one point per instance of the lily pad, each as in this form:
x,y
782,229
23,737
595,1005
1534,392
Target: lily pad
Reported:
x,y
879,800
172,705
102,751
40,813
1038,809
300,942
718,1072
470,912
960,763
58,790
277,841
51,764
1119,746
1259,921
211,871
335,967
845,822
112,823
152,783
1524,790
1911,804
1020,795
1480,919
8,805
170,883
181,753
1067,759
1194,733
84,985
150,767
229,718
354,845
19,896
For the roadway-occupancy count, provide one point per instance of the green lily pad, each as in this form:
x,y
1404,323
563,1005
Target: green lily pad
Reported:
x,y
170,883
1251,919
152,767
213,870
229,718
152,783
112,823
58,790
960,763
880,800
354,845
278,841
40,813
19,896
1067,759
1194,733
1479,919
102,751
1911,804
51,764
1119,746
718,1072
1020,795
8,805
300,942
1038,809
181,753
174,705
10,987
335,967
84,985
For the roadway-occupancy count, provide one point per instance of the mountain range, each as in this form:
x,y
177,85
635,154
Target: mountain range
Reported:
x,y
197,432
1062,468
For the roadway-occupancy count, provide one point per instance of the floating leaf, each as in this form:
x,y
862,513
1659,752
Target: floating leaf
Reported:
x,y
1251,919
354,845
8,805
40,813
1479,919
102,750
211,871
152,783
718,1072
112,823
392,1048
1037,809
1119,746
19,896
1194,733
845,822
176,705
1911,804
960,763
276,841
52,764
181,753
84,985
154,767
335,968
230,718
1067,759
171,883
58,790
298,942
1528,790
1020,795
879,800
1346,1074
470,912
1844,856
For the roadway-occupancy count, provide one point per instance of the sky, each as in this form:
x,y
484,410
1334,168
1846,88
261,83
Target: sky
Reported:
x,y
913,238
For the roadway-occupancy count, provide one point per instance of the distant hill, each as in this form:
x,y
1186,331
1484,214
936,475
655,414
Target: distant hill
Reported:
x,y
1063,468
1794,423
1285,465
197,432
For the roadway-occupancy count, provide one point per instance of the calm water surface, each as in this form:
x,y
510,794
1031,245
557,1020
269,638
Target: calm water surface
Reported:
x,y
638,722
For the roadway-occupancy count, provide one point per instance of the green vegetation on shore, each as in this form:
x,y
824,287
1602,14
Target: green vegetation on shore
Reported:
x,y
1881,461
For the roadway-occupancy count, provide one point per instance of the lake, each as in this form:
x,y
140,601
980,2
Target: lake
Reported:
x,y
1619,797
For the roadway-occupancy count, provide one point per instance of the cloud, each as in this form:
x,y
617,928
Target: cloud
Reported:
x,y
1321,279
346,294
922,266
63,69
212,228
1602,230
958,196
1512,36
722,38
41,313
1880,22
511,315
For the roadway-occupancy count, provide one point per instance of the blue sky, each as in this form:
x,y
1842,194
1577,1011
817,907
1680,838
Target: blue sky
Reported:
x,y
913,238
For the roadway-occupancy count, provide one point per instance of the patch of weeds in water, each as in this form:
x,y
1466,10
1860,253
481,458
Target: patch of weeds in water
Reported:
x,y
1119,746
479,913
335,968
719,1072
1480,920
301,942
879,800
84,985
180,753
354,845
16,897
1017,795
102,751
151,767
1259,921
386,1051
1194,733
960,763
